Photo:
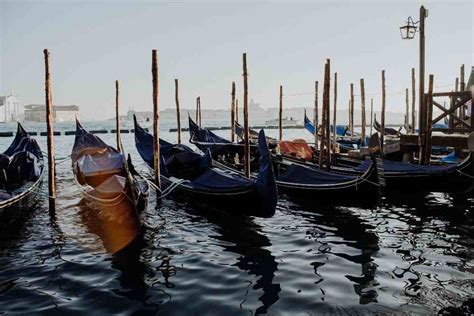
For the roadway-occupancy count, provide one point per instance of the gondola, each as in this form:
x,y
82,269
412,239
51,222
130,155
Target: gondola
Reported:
x,y
294,179
108,182
21,176
388,130
195,179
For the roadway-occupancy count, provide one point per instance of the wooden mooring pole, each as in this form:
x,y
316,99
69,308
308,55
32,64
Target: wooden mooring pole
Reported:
x,y
382,123
156,120
117,115
371,115
232,114
316,115
362,105
413,101
280,116
178,114
421,79
462,109
327,87
246,119
429,120
407,111
351,112
50,140
334,118
237,110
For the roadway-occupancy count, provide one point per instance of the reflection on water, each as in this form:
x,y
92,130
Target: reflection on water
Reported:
x,y
117,225
409,254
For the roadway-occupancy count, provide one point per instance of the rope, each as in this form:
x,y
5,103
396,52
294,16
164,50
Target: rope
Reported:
x,y
465,174
166,191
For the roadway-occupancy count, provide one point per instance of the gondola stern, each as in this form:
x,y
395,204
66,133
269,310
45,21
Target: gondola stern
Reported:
x,y
266,184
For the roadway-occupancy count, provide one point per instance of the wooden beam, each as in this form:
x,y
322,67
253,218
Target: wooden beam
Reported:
x,y
458,94
451,111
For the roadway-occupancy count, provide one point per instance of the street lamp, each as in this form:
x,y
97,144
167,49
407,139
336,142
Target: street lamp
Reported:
x,y
408,31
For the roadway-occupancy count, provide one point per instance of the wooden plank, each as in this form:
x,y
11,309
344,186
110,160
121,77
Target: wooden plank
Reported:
x,y
454,94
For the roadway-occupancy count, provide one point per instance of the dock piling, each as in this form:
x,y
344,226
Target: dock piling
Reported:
x,y
178,114
316,115
246,119
156,120
362,104
351,111
413,101
334,118
382,115
232,114
117,114
50,140
280,116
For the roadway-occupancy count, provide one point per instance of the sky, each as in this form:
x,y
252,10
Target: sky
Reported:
x,y
93,43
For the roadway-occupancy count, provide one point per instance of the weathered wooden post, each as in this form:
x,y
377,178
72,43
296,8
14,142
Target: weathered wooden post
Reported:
x,y
197,110
407,112
362,104
280,116
117,114
322,141
382,123
156,120
463,83
232,114
462,109
327,87
178,114
246,120
421,92
371,115
237,110
316,115
413,101
429,120
334,119
351,119
456,88
50,140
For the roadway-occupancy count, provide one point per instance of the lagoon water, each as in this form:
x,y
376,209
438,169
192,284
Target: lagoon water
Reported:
x,y
411,253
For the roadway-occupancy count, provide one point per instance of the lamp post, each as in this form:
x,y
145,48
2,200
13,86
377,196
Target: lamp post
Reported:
x,y
408,31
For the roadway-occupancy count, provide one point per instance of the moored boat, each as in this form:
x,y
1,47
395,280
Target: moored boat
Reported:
x,y
108,183
293,178
21,176
193,176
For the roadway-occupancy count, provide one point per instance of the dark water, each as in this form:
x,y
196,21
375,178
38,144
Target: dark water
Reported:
x,y
411,253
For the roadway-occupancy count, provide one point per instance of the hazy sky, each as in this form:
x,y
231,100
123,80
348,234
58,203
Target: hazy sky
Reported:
x,y
93,43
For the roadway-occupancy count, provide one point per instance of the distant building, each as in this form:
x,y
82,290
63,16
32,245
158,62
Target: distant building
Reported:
x,y
61,113
10,109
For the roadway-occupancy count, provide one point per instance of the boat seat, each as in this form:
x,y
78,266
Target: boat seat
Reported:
x,y
111,187
100,164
